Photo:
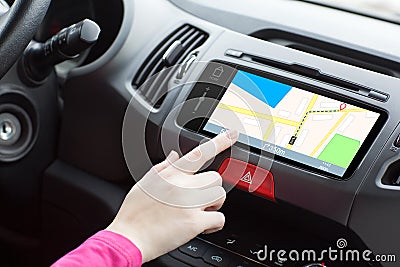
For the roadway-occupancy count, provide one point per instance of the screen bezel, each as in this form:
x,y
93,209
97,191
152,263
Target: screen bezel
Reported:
x,y
198,127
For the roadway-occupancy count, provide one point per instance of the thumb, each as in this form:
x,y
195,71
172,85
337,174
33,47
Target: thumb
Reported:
x,y
212,221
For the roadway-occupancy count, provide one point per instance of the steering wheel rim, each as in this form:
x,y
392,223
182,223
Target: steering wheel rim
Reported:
x,y
17,28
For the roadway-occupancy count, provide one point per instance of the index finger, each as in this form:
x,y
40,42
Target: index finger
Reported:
x,y
195,159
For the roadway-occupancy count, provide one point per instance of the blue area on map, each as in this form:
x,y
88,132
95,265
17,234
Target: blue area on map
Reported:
x,y
268,91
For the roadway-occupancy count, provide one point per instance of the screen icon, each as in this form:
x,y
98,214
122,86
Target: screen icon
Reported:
x,y
216,258
247,178
201,100
218,72
230,241
192,248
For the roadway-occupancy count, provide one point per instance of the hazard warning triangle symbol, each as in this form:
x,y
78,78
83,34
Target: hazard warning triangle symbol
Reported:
x,y
247,178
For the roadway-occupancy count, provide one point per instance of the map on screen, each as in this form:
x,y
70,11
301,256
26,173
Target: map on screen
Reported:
x,y
293,123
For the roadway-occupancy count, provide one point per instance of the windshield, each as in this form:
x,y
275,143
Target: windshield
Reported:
x,y
384,9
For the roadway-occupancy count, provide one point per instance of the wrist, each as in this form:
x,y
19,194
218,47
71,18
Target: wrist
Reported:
x,y
128,233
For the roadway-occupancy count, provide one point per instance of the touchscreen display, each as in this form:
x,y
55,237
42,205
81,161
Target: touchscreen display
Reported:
x,y
293,123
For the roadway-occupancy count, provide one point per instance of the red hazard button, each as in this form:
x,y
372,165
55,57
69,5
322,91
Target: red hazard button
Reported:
x,y
248,177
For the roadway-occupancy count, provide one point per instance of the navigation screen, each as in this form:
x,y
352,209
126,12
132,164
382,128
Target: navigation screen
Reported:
x,y
292,123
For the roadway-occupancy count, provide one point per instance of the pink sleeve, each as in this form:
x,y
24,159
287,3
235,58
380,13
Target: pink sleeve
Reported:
x,y
103,249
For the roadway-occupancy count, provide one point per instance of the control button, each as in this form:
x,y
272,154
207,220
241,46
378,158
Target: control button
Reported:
x,y
248,177
234,53
201,100
217,73
396,142
194,248
378,95
216,257
231,242
198,105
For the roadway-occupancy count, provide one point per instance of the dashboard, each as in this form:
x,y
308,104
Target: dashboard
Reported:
x,y
314,100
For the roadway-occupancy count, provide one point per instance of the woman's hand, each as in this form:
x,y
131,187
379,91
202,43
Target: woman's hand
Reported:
x,y
171,204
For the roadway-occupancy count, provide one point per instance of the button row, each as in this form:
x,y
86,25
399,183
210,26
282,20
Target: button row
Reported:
x,y
211,255
202,254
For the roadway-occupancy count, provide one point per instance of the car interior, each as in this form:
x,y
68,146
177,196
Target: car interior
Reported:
x,y
94,92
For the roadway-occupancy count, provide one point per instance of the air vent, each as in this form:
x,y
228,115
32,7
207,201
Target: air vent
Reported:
x,y
171,51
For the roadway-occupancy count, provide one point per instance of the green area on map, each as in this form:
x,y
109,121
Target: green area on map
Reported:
x,y
340,151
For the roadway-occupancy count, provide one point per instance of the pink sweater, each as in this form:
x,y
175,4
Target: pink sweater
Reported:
x,y
103,249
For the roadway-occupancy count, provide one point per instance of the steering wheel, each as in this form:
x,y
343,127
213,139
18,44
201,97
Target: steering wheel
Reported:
x,y
18,24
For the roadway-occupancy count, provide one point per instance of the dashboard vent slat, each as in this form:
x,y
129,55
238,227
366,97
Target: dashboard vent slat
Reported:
x,y
149,67
152,89
196,43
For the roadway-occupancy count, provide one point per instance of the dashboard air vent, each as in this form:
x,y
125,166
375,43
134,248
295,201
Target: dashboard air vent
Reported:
x,y
171,51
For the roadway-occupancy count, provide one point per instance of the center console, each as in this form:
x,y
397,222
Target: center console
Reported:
x,y
311,131
293,125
